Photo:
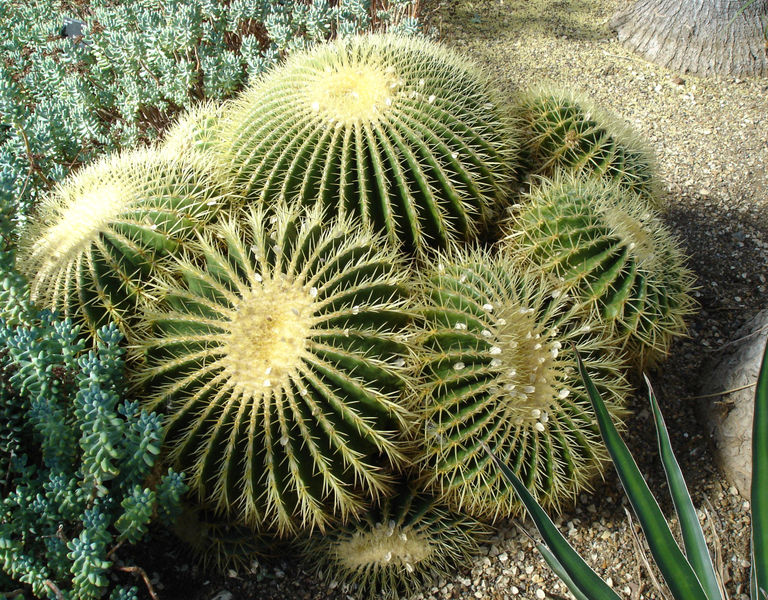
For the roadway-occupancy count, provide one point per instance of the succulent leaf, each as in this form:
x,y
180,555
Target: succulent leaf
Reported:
x,y
280,363
615,253
566,133
397,131
100,236
397,548
499,368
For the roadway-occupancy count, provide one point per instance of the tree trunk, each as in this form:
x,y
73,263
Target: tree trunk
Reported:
x,y
695,36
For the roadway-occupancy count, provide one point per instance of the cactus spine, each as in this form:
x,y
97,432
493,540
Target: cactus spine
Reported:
x,y
102,234
280,365
397,131
614,251
218,544
498,368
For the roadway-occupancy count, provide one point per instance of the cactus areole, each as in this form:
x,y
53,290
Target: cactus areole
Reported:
x,y
397,131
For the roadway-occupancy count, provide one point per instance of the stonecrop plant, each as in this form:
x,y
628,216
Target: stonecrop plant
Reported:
x,y
75,478
398,131
497,366
280,360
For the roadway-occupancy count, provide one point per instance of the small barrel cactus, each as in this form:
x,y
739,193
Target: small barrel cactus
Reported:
x,y
616,254
220,545
280,362
397,131
194,131
96,241
565,133
396,549
499,369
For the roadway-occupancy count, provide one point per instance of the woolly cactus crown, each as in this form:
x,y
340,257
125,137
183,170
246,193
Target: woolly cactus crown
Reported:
x,y
616,254
499,368
99,237
280,364
398,131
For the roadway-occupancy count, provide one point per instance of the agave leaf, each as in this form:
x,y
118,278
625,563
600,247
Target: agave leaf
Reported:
x,y
742,8
678,574
560,571
759,498
693,537
579,573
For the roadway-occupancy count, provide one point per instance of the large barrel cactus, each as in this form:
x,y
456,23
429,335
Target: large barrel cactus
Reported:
x,y
398,131
565,133
280,362
499,371
395,549
100,237
616,254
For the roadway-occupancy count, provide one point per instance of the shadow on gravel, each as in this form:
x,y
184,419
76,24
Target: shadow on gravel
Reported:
x,y
730,264
574,19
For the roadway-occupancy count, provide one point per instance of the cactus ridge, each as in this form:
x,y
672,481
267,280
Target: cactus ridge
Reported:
x,y
397,131
622,262
280,362
397,548
101,234
566,132
498,368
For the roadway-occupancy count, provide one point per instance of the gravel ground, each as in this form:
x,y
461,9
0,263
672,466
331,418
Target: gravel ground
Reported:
x,y
711,140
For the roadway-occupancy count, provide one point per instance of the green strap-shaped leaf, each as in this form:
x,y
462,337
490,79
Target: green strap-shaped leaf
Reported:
x,y
693,537
579,573
560,571
678,574
759,579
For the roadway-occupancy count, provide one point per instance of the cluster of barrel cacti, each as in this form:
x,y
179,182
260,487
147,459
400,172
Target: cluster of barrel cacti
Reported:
x,y
337,294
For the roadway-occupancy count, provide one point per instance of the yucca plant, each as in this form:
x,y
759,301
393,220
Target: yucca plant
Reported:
x,y
563,132
280,360
398,131
95,243
498,368
397,548
689,576
614,254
